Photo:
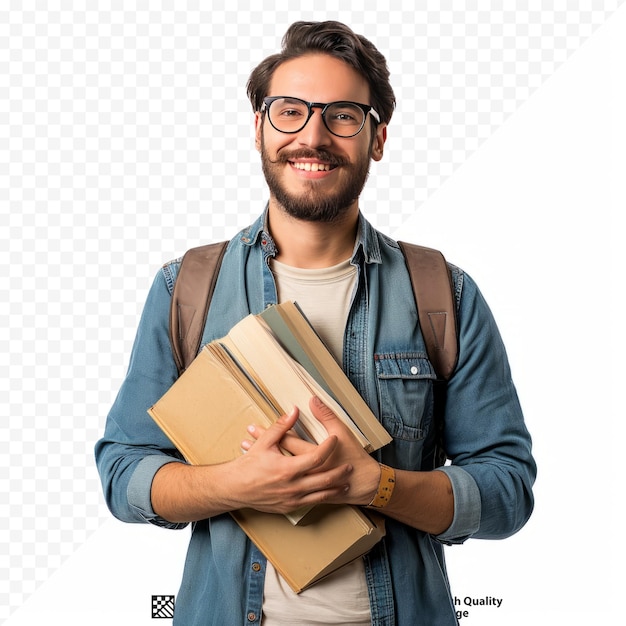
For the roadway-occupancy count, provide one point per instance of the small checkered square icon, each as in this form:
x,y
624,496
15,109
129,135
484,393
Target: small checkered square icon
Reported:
x,y
162,607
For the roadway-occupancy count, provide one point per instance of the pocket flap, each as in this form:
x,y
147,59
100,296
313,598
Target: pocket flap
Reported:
x,y
412,365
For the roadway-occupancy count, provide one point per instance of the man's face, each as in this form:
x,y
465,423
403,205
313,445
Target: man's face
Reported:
x,y
314,175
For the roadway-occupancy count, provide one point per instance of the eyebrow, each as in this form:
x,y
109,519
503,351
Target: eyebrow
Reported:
x,y
291,99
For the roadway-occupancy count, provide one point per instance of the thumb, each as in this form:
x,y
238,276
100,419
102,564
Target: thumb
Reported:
x,y
320,410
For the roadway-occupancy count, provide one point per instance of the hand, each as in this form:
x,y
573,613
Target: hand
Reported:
x,y
364,475
269,480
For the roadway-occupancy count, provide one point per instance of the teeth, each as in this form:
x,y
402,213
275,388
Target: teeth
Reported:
x,y
312,167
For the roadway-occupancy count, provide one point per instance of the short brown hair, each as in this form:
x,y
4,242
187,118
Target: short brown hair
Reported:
x,y
339,41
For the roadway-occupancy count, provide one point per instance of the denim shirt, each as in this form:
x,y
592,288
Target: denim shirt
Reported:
x,y
492,469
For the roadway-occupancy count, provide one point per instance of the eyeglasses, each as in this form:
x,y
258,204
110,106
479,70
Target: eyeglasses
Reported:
x,y
343,119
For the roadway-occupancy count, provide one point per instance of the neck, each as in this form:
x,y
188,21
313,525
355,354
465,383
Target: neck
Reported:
x,y
312,245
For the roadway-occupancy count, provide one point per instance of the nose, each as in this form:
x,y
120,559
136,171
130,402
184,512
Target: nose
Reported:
x,y
315,134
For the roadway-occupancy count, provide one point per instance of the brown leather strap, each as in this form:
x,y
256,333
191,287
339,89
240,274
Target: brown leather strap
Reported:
x,y
436,306
430,278
192,294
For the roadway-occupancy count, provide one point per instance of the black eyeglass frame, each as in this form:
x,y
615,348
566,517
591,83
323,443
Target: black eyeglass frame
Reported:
x,y
366,108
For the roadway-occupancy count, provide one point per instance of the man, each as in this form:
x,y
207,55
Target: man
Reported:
x,y
322,107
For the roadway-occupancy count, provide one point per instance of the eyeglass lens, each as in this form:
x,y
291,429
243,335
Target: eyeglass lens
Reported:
x,y
289,115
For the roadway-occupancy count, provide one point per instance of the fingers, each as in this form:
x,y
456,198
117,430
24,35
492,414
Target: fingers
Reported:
x,y
290,441
319,453
301,472
276,431
280,435
314,488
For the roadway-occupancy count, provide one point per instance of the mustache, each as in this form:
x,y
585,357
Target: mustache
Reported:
x,y
307,153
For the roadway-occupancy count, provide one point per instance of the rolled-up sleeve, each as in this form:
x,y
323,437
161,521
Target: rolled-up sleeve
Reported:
x,y
133,448
467,506
492,469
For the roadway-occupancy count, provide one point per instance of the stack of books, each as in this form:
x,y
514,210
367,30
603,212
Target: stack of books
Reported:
x,y
264,366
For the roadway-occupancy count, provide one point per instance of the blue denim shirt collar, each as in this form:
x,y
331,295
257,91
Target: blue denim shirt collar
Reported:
x,y
366,247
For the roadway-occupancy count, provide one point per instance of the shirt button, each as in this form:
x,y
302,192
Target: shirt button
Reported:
x,y
256,567
414,370
251,617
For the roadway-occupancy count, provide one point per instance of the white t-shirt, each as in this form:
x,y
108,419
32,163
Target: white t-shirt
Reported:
x,y
324,295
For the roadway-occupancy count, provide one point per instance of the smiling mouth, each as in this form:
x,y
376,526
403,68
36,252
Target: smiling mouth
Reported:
x,y
312,167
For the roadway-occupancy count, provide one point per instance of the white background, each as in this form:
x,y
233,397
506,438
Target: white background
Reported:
x,y
126,137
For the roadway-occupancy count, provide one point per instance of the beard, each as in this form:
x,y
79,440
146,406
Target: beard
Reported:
x,y
314,204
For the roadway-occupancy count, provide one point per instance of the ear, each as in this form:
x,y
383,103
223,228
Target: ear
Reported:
x,y
379,142
258,123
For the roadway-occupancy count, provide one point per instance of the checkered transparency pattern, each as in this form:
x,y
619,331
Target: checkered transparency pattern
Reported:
x,y
125,137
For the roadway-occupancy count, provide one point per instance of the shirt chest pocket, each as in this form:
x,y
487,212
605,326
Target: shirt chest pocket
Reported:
x,y
405,393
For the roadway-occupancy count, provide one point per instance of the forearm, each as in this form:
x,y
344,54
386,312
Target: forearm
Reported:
x,y
188,493
423,500
264,479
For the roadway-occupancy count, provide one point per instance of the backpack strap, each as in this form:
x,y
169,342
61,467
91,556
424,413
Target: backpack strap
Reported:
x,y
436,307
191,298
430,278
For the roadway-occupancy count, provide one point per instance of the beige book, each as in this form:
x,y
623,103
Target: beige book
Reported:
x,y
332,537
